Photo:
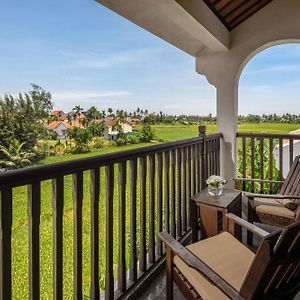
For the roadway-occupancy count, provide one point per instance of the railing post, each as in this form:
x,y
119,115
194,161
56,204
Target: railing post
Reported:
x,y
202,134
5,243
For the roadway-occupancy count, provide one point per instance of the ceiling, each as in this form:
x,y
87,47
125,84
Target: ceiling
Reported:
x,y
233,12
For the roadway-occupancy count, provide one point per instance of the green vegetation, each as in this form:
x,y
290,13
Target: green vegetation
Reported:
x,y
21,124
20,223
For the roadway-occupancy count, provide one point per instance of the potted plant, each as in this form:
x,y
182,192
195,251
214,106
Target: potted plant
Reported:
x,y
215,185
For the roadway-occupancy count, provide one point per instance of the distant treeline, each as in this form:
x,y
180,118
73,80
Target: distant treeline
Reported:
x,y
197,119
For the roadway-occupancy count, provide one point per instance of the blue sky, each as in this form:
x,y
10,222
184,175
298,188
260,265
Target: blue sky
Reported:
x,y
84,54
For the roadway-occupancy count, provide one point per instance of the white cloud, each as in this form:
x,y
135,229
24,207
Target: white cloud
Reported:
x,y
66,100
77,95
94,60
273,69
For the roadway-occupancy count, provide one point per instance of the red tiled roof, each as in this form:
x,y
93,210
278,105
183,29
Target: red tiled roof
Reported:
x,y
57,113
110,121
73,124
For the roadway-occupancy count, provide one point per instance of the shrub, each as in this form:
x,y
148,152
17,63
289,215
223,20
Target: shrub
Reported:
x,y
81,137
15,156
100,142
146,133
128,139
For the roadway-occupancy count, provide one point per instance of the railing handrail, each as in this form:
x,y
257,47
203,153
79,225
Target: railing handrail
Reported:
x,y
269,135
29,175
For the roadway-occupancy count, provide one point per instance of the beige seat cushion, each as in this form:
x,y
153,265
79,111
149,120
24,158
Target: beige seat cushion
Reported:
x,y
272,207
226,256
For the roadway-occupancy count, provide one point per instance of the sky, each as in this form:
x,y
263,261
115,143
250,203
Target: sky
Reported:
x,y
86,55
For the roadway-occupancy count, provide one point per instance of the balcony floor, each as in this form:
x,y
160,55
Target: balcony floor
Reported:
x,y
157,290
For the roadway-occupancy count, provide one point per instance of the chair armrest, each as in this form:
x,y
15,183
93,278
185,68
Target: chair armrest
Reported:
x,y
239,221
194,262
269,196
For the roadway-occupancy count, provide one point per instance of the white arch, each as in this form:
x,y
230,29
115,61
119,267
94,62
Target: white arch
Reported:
x,y
277,23
261,49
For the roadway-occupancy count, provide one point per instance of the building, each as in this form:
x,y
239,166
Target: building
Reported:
x,y
111,133
286,152
61,127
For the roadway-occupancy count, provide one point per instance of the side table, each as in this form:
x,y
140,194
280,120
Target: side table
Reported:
x,y
212,210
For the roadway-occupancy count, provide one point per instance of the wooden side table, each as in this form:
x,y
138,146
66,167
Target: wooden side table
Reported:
x,y
212,210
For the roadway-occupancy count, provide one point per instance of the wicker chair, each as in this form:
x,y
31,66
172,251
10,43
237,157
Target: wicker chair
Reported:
x,y
221,267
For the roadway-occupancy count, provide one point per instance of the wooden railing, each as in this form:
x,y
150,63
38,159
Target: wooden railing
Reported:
x,y
259,170
145,191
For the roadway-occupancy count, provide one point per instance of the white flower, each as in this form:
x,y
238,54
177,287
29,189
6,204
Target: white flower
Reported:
x,y
216,181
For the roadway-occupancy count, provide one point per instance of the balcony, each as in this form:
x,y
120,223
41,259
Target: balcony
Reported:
x,y
118,203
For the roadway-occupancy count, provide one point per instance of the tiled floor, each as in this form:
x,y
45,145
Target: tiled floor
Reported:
x,y
157,290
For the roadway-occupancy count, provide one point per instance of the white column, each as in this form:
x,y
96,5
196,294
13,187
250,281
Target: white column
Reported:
x,y
227,122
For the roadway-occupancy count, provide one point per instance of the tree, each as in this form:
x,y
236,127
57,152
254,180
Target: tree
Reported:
x,y
81,137
14,156
110,111
77,111
146,134
22,117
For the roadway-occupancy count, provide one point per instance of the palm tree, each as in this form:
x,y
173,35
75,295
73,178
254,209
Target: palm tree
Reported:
x,y
110,111
92,113
77,111
14,157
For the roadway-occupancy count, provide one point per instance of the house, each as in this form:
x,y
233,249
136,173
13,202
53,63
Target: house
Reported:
x,y
111,133
286,152
59,114
61,127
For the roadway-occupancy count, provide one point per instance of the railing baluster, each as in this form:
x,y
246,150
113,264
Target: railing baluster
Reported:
x,y
167,190
184,190
261,155
143,251
252,145
218,156
291,152
159,202
95,191
271,164
57,214
77,190
189,181
194,171
133,252
5,243
173,193
109,275
122,227
179,211
196,168
34,212
280,159
244,161
199,167
152,209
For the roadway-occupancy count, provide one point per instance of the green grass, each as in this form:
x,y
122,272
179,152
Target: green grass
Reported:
x,y
20,219
178,131
60,158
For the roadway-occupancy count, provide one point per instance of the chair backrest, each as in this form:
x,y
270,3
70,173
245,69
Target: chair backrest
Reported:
x,y
291,185
276,265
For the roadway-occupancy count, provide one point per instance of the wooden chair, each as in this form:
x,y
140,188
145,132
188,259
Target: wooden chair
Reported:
x,y
221,267
277,210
